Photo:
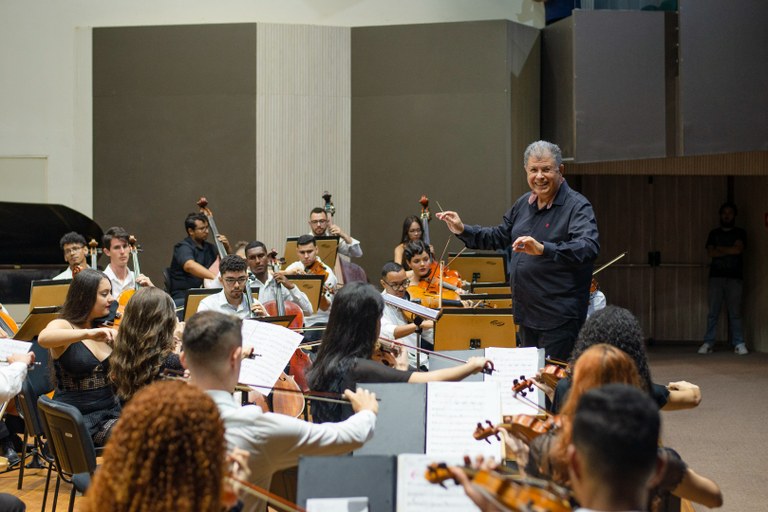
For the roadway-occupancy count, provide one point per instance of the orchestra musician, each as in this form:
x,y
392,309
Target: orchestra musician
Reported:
x,y
192,257
145,344
547,457
116,246
167,454
258,264
75,251
321,225
344,358
394,325
212,353
618,327
412,231
81,349
554,238
232,298
310,263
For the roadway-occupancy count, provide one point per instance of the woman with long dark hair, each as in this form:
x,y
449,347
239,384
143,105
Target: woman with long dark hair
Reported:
x,y
145,343
80,350
413,230
344,358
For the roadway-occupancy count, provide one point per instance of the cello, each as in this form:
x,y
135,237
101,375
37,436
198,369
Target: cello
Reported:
x,y
126,295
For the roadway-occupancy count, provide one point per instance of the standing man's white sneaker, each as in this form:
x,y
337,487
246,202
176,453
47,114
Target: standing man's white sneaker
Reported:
x,y
741,350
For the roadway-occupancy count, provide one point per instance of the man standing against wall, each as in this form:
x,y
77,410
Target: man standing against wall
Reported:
x,y
725,246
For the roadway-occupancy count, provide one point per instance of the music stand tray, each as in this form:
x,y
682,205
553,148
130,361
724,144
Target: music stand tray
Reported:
x,y
493,300
193,299
311,285
326,249
48,292
283,321
36,321
501,287
463,328
474,267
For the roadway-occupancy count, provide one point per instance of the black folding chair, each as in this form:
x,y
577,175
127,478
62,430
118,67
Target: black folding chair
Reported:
x,y
71,444
26,404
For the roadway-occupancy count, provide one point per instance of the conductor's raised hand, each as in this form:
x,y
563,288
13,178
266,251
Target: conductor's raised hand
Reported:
x,y
362,400
452,220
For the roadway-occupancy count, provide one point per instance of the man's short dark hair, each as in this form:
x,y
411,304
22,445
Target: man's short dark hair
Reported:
x,y
72,238
616,427
115,232
306,239
210,336
317,209
189,222
414,249
729,204
390,266
232,263
255,244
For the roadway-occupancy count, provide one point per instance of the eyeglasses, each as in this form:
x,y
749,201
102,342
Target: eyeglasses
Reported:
x,y
318,222
231,280
204,228
73,250
397,286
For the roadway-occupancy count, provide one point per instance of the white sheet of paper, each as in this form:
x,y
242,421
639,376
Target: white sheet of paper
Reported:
x,y
273,346
357,504
416,494
453,411
513,363
9,346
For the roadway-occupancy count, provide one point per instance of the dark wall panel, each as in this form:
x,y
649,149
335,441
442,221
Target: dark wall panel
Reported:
x,y
174,119
431,114
723,75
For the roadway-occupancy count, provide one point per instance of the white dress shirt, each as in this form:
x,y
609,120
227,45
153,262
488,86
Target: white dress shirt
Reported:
x,y
391,318
267,293
118,286
218,302
11,379
276,441
67,274
320,316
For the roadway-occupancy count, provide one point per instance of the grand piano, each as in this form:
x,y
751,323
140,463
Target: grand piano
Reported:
x,y
29,244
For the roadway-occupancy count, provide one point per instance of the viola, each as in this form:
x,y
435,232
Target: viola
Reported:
x,y
551,374
515,493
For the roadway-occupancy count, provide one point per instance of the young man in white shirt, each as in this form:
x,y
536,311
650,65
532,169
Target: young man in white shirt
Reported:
x,y
232,298
116,246
257,258
321,226
212,353
75,253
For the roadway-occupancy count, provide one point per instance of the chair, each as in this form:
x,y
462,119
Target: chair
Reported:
x,y
167,279
26,403
71,444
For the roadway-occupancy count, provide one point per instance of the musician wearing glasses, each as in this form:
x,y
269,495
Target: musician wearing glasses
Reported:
x,y
75,252
232,298
322,226
394,325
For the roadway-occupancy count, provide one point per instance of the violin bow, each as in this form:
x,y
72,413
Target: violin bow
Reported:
x,y
487,370
264,494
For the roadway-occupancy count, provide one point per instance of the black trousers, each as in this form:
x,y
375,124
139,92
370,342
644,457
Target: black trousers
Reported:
x,y
557,343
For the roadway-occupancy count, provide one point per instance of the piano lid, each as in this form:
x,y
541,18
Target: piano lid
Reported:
x,y
30,233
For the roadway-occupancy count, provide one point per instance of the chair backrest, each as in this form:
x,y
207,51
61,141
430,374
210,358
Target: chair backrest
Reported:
x,y
26,402
70,441
167,279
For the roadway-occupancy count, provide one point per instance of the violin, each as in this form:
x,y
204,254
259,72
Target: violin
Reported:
x,y
7,323
515,493
386,353
525,427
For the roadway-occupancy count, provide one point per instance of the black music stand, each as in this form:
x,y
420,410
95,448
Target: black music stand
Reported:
x,y
474,267
462,329
326,249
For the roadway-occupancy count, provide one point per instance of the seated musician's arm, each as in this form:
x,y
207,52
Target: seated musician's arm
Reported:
x,y
472,366
682,395
185,258
60,333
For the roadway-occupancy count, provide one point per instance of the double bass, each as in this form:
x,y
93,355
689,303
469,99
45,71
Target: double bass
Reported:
x,y
202,203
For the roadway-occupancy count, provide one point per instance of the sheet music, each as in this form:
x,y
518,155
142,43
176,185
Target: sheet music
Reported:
x,y
512,363
273,347
453,412
416,494
10,346
357,504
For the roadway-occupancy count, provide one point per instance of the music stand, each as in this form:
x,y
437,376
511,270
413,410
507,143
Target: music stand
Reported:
x,y
500,300
326,249
48,292
194,297
493,288
283,321
311,285
462,329
36,321
474,267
